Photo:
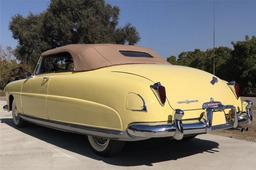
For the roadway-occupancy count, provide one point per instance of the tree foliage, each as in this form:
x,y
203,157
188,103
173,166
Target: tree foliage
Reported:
x,y
237,64
94,21
10,69
242,66
69,22
172,60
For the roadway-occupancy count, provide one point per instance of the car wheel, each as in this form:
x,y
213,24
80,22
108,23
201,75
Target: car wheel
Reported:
x,y
17,120
105,146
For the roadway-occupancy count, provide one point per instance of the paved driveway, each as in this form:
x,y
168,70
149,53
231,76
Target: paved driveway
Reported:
x,y
35,147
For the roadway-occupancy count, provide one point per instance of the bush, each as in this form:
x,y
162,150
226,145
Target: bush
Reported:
x,y
10,71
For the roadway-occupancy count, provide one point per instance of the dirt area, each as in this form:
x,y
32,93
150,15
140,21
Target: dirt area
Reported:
x,y
250,135
1,93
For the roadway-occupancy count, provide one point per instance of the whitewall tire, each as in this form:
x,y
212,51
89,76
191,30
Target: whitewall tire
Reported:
x,y
17,120
105,146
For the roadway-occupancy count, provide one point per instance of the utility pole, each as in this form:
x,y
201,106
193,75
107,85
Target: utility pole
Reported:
x,y
213,37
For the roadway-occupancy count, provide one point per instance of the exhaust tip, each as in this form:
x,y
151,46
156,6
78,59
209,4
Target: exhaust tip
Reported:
x,y
5,108
242,130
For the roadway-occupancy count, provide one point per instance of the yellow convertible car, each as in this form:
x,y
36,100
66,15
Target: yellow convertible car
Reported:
x,y
117,93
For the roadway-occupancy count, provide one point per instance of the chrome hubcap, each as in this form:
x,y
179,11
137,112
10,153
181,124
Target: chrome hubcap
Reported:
x,y
98,143
100,140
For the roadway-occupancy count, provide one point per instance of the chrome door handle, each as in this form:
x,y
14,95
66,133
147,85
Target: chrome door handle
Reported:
x,y
45,79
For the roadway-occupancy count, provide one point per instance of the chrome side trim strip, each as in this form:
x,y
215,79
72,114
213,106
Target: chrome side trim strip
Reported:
x,y
142,131
66,127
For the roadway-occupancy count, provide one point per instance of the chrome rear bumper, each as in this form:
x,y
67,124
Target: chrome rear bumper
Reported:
x,y
178,129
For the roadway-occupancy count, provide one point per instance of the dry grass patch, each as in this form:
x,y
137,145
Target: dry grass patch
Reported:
x,y
1,93
250,135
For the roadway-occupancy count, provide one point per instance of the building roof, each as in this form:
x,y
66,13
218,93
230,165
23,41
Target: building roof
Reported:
x,y
94,56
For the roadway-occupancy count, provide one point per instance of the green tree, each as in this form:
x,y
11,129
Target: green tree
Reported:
x,y
242,66
172,60
194,59
28,32
222,55
69,22
238,64
204,59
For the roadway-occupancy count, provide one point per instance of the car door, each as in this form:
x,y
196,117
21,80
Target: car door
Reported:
x,y
34,91
62,66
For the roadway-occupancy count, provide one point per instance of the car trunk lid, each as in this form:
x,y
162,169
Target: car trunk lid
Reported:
x,y
186,88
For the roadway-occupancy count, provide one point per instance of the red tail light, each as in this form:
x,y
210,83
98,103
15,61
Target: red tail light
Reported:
x,y
237,88
160,90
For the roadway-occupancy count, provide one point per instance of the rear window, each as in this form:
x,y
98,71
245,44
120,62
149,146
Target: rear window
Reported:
x,y
136,54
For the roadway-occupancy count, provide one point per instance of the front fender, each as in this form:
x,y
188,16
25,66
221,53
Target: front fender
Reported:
x,y
13,92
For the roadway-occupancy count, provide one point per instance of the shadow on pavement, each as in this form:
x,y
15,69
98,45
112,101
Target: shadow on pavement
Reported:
x,y
135,153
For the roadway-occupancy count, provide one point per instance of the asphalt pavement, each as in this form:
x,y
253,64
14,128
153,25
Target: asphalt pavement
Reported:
x,y
40,148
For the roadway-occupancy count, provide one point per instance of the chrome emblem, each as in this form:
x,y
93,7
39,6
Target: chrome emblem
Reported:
x,y
214,80
187,101
211,99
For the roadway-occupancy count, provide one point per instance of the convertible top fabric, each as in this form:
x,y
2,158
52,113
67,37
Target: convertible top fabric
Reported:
x,y
93,56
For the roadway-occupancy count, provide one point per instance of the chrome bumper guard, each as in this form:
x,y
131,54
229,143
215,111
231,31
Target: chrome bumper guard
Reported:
x,y
177,129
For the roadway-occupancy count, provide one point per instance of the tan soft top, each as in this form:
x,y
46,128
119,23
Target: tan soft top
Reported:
x,y
94,56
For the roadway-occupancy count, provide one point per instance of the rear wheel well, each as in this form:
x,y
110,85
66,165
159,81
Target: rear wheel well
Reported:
x,y
11,98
